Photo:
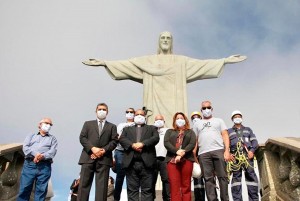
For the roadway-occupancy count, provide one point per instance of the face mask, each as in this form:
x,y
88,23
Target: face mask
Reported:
x,y
45,127
159,123
180,122
196,120
207,112
237,120
129,115
101,114
139,119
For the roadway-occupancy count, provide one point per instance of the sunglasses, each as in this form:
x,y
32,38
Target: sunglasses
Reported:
x,y
208,107
129,112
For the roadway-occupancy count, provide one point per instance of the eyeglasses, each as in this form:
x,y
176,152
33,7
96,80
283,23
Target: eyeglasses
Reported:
x,y
48,123
208,107
129,112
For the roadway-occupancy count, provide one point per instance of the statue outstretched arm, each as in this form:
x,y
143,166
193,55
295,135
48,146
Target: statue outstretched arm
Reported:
x,y
235,59
94,62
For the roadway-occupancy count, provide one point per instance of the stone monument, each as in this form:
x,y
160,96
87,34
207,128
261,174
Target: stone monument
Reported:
x,y
165,76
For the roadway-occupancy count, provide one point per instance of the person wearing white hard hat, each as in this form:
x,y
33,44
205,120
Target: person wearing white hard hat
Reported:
x,y
243,140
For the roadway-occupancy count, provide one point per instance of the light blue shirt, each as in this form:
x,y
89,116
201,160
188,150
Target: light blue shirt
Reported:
x,y
36,143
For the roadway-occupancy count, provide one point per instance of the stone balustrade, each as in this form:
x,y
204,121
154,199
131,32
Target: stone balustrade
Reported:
x,y
278,163
11,163
279,167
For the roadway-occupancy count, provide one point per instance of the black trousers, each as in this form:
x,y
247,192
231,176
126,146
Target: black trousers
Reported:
x,y
199,190
213,164
86,179
161,168
139,176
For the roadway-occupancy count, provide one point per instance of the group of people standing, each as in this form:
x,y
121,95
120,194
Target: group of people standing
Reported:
x,y
139,152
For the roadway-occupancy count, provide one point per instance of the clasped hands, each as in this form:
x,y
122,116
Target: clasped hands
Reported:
x,y
97,152
38,157
180,153
138,146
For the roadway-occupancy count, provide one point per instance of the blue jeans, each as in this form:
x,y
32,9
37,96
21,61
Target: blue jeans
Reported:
x,y
120,174
34,172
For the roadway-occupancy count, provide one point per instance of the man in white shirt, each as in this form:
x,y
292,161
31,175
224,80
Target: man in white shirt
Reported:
x,y
161,165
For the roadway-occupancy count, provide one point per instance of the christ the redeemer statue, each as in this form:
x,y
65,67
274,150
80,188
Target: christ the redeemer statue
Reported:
x,y
165,76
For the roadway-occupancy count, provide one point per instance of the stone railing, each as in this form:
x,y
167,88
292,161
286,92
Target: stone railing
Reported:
x,y
279,167
11,163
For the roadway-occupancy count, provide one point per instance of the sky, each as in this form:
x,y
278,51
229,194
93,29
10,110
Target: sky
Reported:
x,y
42,45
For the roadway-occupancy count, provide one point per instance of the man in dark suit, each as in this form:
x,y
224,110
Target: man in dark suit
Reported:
x,y
99,139
139,157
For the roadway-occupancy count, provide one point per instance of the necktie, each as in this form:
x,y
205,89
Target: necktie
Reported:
x,y
100,128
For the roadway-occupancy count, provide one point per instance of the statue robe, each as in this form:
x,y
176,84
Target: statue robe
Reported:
x,y
165,78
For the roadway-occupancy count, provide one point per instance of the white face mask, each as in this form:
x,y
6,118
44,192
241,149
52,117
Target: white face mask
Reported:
x,y
139,119
237,120
45,127
129,115
159,123
196,120
180,122
207,112
101,114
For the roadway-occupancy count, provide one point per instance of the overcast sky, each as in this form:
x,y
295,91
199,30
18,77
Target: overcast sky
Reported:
x,y
42,44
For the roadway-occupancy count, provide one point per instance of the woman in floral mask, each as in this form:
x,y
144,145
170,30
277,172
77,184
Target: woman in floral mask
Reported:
x,y
180,142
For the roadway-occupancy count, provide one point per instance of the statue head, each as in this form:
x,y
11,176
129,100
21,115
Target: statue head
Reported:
x,y
165,43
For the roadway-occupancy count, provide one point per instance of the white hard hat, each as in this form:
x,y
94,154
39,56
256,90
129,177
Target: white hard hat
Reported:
x,y
235,112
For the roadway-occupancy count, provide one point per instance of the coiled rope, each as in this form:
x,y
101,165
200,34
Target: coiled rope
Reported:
x,y
240,160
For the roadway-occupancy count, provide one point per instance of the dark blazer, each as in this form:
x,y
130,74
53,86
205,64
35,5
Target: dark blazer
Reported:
x,y
188,144
149,138
89,137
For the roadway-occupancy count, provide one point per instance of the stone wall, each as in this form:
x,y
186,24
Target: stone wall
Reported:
x,y
11,163
279,167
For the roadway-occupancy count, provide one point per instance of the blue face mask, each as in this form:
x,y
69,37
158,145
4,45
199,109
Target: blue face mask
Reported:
x,y
139,119
45,127
101,114
159,123
207,112
180,122
196,120
129,115
237,120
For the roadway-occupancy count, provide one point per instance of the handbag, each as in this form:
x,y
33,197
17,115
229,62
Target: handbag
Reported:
x,y
196,173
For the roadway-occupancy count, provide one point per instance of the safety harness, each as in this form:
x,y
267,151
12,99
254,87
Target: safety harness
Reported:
x,y
240,158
